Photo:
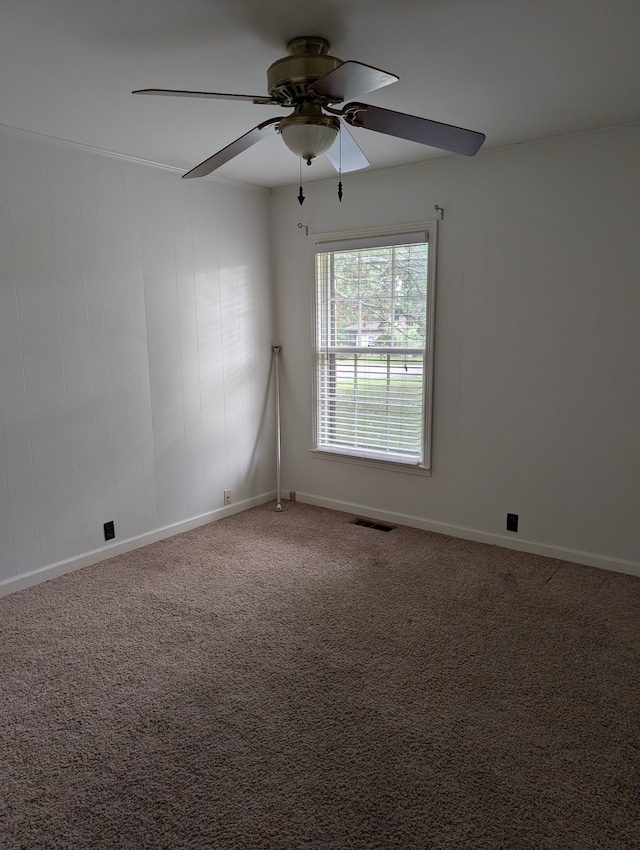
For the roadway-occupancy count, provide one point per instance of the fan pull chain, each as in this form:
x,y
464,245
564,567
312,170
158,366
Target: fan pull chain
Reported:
x,y
301,193
340,165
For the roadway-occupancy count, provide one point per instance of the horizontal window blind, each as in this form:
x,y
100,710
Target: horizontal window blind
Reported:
x,y
371,342
354,243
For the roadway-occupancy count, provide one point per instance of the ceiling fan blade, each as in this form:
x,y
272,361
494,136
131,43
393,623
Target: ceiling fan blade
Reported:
x,y
232,150
351,79
345,154
210,94
444,136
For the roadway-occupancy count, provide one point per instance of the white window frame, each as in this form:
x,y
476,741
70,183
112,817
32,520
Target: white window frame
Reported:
x,y
372,237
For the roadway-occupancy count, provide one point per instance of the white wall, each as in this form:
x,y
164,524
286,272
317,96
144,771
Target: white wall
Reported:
x,y
136,322
537,368
136,314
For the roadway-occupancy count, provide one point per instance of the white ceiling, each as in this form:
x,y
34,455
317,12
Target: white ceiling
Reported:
x,y
516,70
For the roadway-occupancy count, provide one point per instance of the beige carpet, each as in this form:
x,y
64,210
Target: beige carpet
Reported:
x,y
295,682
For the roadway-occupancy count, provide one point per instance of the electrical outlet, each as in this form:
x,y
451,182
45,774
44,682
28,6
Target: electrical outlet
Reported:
x,y
227,497
512,522
109,530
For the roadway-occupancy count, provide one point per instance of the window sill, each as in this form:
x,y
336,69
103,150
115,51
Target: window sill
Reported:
x,y
389,465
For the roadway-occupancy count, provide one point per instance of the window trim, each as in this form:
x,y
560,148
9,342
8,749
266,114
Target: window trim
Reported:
x,y
341,240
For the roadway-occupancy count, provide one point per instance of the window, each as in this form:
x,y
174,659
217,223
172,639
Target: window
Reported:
x,y
374,343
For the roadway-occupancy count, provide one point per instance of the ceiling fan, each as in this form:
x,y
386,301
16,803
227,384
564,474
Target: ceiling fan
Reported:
x,y
312,82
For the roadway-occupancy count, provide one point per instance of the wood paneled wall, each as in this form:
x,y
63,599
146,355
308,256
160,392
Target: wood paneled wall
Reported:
x,y
135,330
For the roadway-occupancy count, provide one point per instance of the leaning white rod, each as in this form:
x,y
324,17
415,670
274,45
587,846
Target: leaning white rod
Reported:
x,y
276,351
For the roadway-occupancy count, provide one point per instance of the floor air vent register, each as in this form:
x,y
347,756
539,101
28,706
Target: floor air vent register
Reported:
x,y
372,523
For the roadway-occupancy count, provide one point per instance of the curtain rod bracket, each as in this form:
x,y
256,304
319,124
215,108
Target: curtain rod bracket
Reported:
x,y
439,210
303,227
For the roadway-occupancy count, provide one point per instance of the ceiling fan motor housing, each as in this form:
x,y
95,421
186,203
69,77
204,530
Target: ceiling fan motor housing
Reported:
x,y
308,61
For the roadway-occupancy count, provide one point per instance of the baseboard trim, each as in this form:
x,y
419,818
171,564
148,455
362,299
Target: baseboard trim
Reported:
x,y
575,556
60,568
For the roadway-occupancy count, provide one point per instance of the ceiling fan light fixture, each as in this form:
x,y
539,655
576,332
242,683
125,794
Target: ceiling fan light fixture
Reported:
x,y
308,133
